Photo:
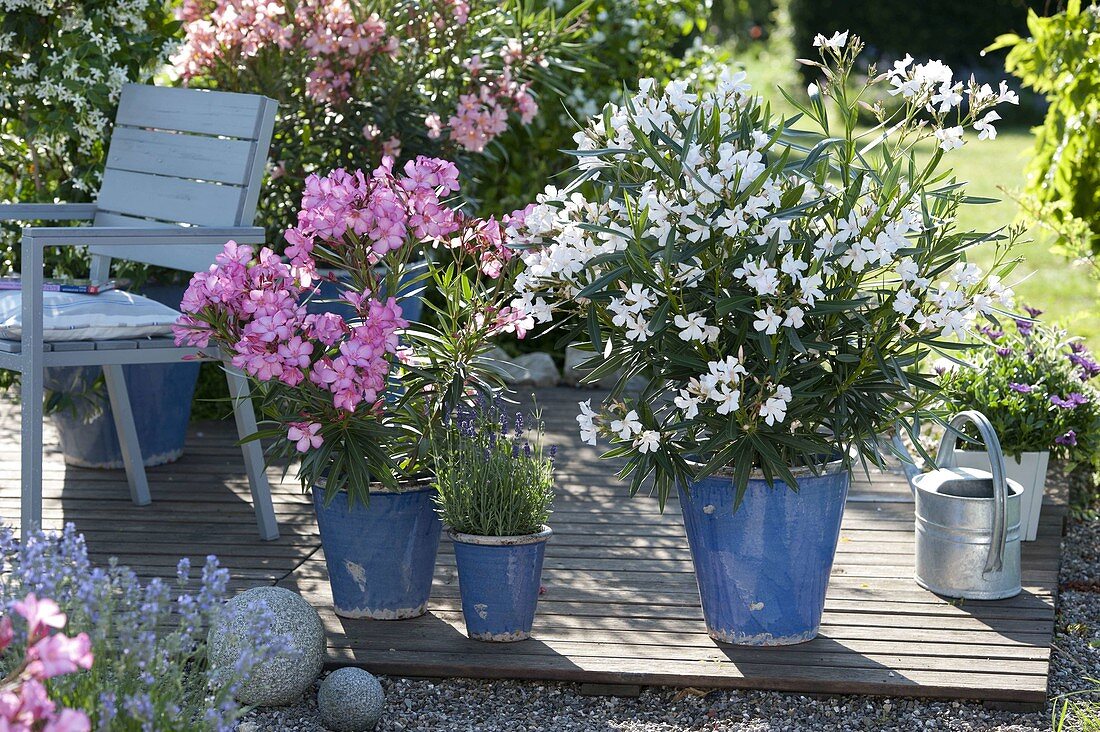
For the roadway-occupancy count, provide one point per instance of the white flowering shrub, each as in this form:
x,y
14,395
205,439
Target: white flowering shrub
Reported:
x,y
777,283
62,68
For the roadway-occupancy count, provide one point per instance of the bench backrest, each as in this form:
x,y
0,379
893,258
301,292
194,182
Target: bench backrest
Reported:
x,y
183,156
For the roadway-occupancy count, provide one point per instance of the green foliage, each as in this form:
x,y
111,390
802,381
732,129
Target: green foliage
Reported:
x,y
1012,378
955,32
743,22
622,41
1061,60
491,480
62,66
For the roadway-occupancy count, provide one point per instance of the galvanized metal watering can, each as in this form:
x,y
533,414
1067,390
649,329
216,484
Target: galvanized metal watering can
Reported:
x,y
968,522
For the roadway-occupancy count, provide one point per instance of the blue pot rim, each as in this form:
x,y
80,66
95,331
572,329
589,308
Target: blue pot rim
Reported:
x,y
832,467
504,541
419,486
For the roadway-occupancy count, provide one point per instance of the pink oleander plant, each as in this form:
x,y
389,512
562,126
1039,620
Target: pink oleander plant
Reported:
x,y
353,393
358,79
25,705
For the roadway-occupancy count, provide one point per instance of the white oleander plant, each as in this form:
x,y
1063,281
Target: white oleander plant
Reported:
x,y
777,283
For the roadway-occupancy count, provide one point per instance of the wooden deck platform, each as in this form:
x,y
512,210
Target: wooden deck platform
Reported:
x,y
620,603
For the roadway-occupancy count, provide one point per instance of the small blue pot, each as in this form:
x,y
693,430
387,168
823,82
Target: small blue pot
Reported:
x,y
763,570
499,579
380,557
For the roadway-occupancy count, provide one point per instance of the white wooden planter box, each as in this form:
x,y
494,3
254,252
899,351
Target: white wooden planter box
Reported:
x,y
1030,471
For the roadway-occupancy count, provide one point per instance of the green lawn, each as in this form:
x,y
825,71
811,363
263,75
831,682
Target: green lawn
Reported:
x,y
1051,283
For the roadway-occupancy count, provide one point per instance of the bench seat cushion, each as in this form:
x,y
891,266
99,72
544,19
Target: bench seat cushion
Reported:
x,y
73,317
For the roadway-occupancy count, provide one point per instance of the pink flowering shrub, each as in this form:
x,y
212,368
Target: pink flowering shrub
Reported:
x,y
362,80
361,381
25,705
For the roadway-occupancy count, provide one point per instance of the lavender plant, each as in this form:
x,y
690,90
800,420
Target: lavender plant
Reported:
x,y
151,670
493,476
1035,384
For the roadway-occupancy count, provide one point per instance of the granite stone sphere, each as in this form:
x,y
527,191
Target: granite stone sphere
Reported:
x,y
282,680
350,700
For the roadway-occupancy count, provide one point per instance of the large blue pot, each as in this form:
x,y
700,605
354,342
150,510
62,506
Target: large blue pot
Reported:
x,y
160,396
381,556
764,568
499,579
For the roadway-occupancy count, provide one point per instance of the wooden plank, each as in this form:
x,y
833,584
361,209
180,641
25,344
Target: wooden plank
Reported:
x,y
107,218
200,157
169,199
190,110
948,684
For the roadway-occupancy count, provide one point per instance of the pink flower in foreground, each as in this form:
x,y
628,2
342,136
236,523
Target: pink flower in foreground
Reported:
x,y
41,615
304,435
59,654
70,720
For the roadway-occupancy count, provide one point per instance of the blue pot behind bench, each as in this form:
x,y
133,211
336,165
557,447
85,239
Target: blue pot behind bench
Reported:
x,y
499,579
763,569
380,557
160,395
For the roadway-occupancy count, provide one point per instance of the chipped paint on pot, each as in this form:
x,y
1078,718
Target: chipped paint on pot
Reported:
x,y
763,569
499,579
381,556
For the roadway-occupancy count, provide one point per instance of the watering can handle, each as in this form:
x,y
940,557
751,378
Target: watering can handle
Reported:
x,y
945,458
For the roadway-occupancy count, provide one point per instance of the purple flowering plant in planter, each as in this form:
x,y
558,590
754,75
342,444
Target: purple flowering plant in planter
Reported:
x,y
494,475
495,482
148,639
1036,384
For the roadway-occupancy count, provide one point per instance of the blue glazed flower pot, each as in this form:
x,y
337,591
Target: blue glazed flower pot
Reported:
x,y
160,396
380,557
763,569
499,579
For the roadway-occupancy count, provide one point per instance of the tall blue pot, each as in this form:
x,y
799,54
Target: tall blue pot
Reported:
x,y
499,579
763,569
381,556
160,395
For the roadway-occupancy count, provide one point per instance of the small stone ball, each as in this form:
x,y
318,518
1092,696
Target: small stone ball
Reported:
x,y
350,700
283,680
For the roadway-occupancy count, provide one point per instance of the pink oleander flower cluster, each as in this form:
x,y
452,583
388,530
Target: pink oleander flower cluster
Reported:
x,y
338,44
222,36
385,210
25,705
254,309
482,114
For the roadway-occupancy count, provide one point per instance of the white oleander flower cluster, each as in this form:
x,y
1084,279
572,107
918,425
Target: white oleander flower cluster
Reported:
x,y
763,278
59,86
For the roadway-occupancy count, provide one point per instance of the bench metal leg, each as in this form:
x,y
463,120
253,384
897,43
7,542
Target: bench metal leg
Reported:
x,y
30,506
253,455
127,435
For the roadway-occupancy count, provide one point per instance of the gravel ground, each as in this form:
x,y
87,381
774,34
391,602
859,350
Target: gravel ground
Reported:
x,y
462,705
